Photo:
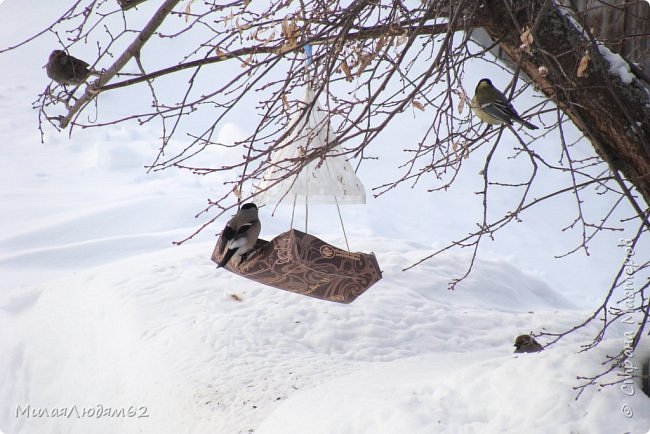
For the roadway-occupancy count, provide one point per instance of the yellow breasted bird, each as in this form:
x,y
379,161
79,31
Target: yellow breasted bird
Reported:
x,y
492,107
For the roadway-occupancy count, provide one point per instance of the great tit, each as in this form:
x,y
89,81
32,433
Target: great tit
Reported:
x,y
492,107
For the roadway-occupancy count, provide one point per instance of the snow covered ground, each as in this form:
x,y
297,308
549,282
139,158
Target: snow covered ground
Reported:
x,y
162,331
100,314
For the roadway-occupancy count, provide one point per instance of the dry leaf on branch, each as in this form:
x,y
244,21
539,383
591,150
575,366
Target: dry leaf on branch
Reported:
x,y
242,27
363,62
526,39
188,10
346,70
290,33
461,103
258,35
584,64
418,105
381,42
401,39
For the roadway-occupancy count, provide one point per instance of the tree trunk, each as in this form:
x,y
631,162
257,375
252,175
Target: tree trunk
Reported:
x,y
613,115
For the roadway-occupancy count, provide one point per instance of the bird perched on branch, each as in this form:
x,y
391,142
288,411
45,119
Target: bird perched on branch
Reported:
x,y
527,344
240,234
492,107
66,69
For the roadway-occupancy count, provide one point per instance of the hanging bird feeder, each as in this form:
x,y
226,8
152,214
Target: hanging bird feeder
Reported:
x,y
294,260
302,263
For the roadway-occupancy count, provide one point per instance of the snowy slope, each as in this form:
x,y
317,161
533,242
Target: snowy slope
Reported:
x,y
98,310
162,331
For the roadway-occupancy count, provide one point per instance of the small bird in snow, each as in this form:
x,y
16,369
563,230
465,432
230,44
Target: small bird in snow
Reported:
x,y
527,344
492,107
66,69
240,234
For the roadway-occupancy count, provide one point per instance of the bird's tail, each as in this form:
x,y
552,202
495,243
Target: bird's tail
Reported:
x,y
527,124
229,254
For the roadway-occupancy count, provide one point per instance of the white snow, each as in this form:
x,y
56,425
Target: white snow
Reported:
x,y
99,312
617,65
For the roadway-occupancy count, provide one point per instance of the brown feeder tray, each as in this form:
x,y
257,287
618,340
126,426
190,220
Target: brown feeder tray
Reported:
x,y
298,262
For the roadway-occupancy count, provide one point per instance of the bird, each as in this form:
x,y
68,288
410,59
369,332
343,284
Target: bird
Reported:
x,y
527,344
66,69
492,107
239,236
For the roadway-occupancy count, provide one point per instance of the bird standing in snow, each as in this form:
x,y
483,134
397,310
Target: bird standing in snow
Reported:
x,y
492,107
527,344
240,234
66,69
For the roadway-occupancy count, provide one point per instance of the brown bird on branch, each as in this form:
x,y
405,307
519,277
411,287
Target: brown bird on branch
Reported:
x,y
66,69
527,344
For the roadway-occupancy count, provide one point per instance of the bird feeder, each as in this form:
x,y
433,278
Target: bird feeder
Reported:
x,y
304,264
297,261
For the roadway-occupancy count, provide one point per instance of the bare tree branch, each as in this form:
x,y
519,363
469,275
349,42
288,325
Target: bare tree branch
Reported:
x,y
128,54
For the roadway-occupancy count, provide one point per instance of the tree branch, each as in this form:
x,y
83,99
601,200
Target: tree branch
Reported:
x,y
132,50
283,49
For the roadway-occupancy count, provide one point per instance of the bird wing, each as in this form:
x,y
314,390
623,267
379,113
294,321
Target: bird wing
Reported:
x,y
239,237
233,239
227,234
506,113
244,228
500,110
